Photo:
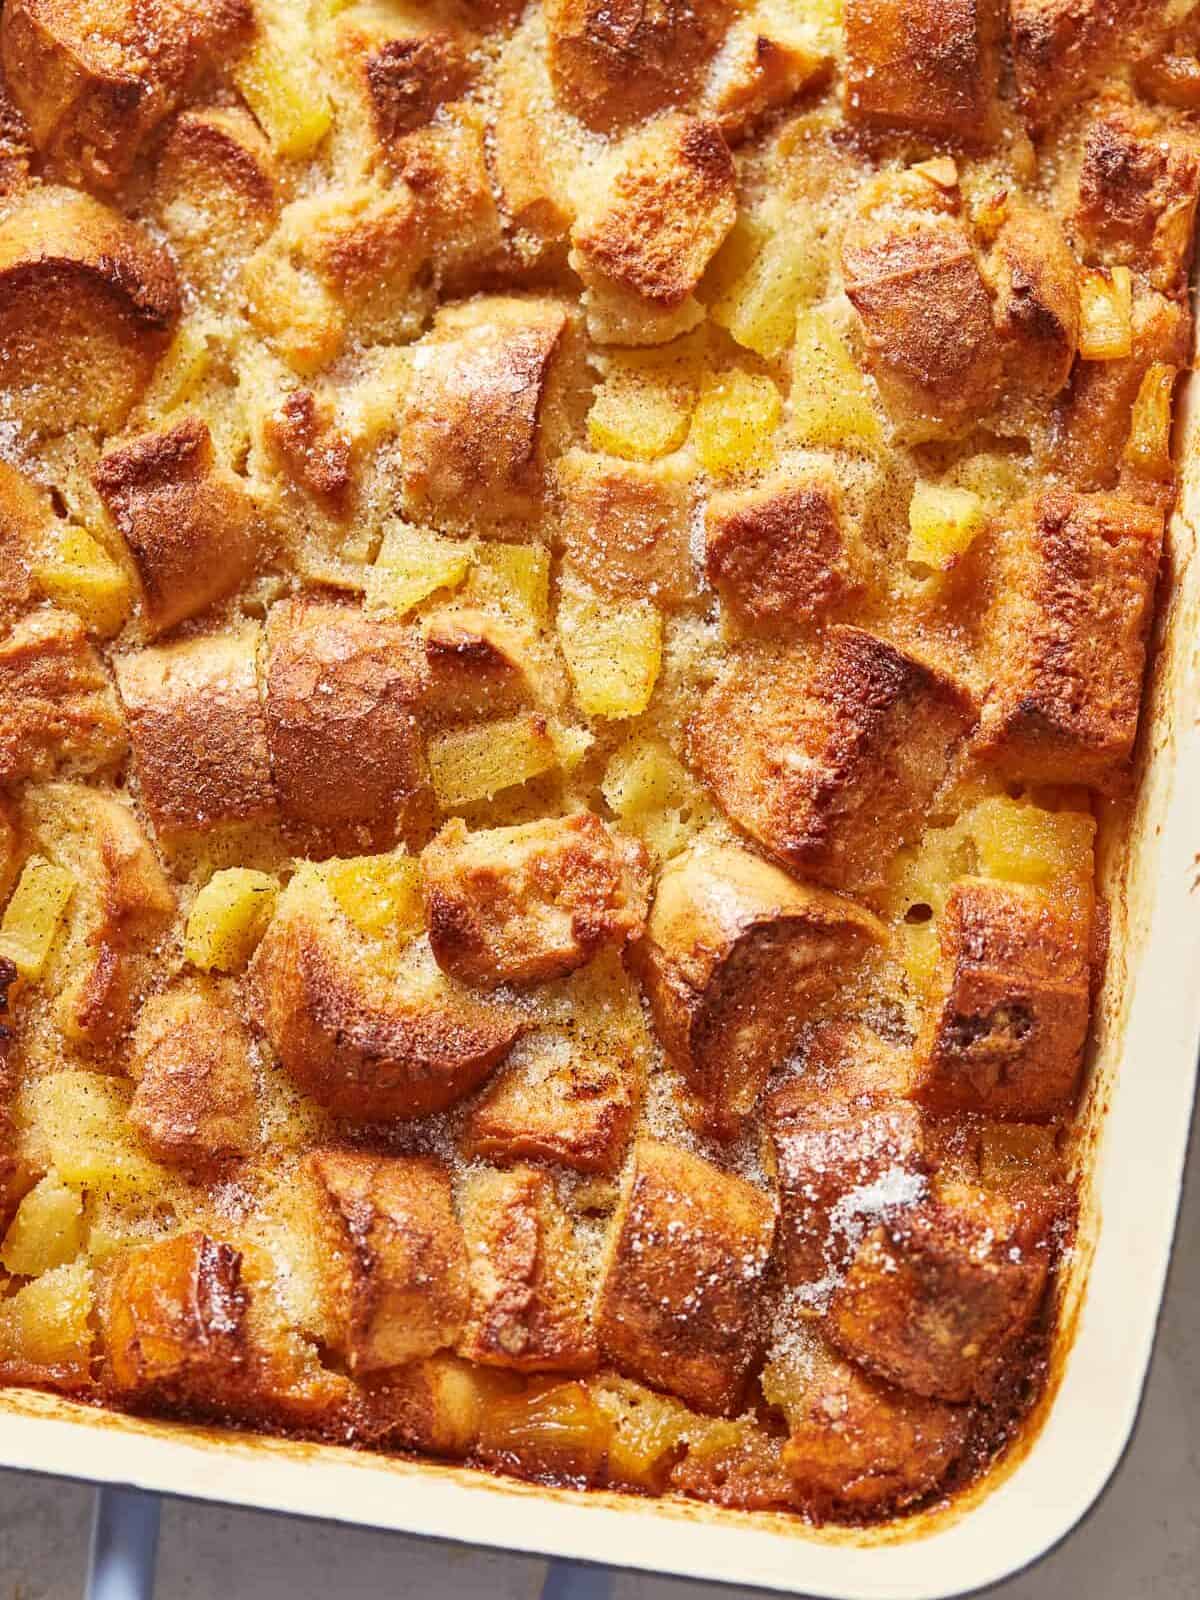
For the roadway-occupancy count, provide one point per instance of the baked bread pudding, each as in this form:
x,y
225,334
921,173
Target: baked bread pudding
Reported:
x,y
577,583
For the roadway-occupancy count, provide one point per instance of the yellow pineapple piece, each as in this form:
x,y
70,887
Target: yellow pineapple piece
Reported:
x,y
1011,1153
413,564
655,796
47,1230
34,915
48,1322
613,650
830,400
648,1431
1024,843
77,1123
280,80
998,479
78,573
380,894
228,918
788,270
553,1428
919,880
638,417
733,423
572,745
477,762
942,524
184,366
1148,447
1106,320
516,576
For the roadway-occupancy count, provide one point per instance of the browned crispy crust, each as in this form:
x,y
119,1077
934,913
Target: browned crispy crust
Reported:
x,y
1073,602
1060,48
57,707
531,903
626,525
409,78
1034,279
25,517
688,1248
310,447
928,65
1006,1022
477,666
735,955
831,765
198,731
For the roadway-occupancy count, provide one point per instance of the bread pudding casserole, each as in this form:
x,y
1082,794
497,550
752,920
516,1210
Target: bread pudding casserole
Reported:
x,y
577,584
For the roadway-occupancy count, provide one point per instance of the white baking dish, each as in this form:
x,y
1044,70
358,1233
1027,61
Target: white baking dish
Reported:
x,y
1140,1106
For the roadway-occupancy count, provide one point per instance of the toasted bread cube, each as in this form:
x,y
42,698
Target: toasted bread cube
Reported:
x,y
613,649
86,308
227,919
678,1302
446,167
192,529
343,689
779,554
912,276
528,1287
198,730
1035,280
173,1321
1073,604
533,155
57,708
394,1256
736,953
1139,180
368,1030
312,450
482,759
856,1444
935,1299
478,665
614,66
626,525
845,1064
930,66
1007,1019
76,572
835,1165
216,194
831,766
94,83
481,414
47,1230
46,1328
1060,48
436,1405
398,71
647,230
194,1103
34,915
279,78
767,61
530,903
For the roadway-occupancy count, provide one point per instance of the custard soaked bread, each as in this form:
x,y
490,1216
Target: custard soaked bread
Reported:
x,y
577,579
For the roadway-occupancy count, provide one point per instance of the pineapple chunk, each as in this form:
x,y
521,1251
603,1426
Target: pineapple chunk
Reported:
x,y
228,918
1011,1153
278,77
77,1123
187,362
942,524
47,1230
1023,843
788,270
830,399
733,423
1106,320
34,916
555,1429
516,576
654,795
572,745
48,1322
1148,447
78,573
477,762
412,564
637,418
380,894
648,1432
997,479
613,651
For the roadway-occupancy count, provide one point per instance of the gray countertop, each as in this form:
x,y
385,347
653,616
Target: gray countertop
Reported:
x,y
1141,1543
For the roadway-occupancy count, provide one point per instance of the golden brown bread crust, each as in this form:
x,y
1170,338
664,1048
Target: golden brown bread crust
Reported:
x,y
198,731
192,529
830,766
194,1104
677,1306
311,449
1072,607
1006,1022
531,903
1060,48
844,1063
528,1287
928,65
57,707
760,68
88,301
735,956
343,693
778,554
25,518
934,1299
626,525
358,1037
408,79
1034,280
478,666
394,1253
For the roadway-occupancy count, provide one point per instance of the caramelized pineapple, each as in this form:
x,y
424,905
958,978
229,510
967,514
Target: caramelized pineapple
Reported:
x,y
380,894
78,1123
515,576
613,650
34,915
79,574
649,1432
279,78
413,564
1024,843
641,411
831,401
47,1230
1106,321
481,760
47,1325
552,1430
785,270
228,918
655,796
1148,448
735,416
943,523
